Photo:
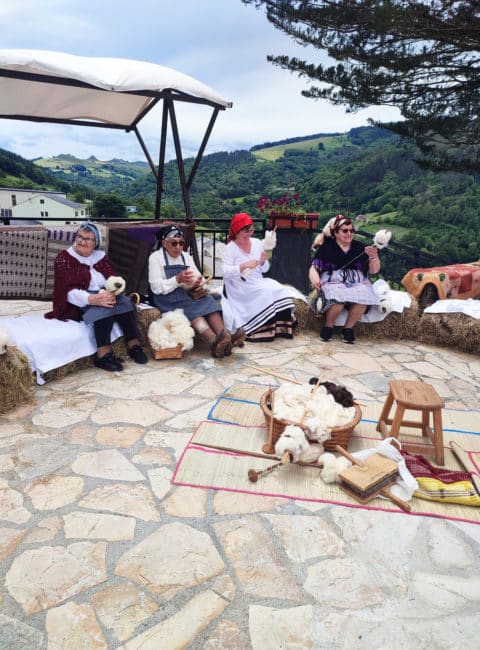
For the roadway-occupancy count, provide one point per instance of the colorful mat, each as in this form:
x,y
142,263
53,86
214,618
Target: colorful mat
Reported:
x,y
224,448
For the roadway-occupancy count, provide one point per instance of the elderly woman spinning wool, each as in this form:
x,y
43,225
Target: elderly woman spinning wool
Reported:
x,y
80,274
339,273
262,306
176,283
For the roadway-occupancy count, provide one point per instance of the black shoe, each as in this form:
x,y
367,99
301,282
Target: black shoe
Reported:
x,y
108,362
137,354
348,336
326,334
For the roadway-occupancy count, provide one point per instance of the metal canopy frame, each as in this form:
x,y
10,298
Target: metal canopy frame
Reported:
x,y
168,95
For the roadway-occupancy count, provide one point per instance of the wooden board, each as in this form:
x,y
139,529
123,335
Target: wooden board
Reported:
x,y
374,472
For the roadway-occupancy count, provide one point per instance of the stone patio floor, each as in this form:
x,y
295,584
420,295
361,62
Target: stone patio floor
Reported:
x,y
98,549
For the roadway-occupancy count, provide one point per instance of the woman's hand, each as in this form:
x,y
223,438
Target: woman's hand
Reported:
x,y
314,278
185,277
263,257
373,259
372,252
251,264
103,299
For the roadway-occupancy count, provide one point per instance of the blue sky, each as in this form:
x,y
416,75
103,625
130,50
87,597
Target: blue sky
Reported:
x,y
222,43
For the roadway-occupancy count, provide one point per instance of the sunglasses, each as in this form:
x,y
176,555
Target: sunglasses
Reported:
x,y
176,243
347,230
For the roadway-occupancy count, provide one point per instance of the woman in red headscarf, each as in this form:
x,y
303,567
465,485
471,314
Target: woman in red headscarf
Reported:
x,y
262,306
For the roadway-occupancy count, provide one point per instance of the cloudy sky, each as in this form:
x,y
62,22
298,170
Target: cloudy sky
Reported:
x,y
222,43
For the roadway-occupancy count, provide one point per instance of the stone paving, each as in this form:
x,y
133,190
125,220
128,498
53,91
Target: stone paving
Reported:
x,y
98,550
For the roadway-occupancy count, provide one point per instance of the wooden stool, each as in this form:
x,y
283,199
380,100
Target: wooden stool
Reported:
x,y
415,396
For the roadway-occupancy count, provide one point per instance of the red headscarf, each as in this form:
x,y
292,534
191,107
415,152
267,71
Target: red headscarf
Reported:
x,y
238,222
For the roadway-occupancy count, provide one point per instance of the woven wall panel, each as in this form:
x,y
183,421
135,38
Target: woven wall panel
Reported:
x,y
23,263
129,258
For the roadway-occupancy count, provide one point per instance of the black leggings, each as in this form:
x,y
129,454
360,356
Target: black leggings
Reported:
x,y
127,322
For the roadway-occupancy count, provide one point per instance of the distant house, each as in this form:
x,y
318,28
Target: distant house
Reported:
x,y
132,209
36,206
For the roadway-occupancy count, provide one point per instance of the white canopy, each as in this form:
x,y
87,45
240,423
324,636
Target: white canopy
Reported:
x,y
69,88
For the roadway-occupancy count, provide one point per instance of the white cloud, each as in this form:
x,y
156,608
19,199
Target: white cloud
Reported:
x,y
222,43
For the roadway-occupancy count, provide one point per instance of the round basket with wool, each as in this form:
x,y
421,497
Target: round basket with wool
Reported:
x,y
329,436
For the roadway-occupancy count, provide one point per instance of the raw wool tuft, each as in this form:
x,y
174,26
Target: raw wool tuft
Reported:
x,y
294,441
196,276
326,232
169,330
332,466
115,284
385,300
5,340
294,403
270,240
382,238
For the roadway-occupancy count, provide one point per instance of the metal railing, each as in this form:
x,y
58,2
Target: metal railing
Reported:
x,y
397,259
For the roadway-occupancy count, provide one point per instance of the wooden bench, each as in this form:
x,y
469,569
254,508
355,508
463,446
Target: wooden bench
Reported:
x,y
414,396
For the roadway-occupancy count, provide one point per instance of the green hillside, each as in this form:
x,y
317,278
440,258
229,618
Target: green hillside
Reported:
x,y
367,171
101,176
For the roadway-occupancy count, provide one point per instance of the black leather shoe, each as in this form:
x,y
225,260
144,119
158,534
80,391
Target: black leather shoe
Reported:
x,y
326,334
108,362
137,354
348,336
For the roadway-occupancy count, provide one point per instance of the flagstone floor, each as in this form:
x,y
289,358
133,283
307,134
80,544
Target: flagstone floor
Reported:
x,y
98,550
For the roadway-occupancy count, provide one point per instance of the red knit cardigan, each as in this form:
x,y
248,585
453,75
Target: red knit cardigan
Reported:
x,y
69,274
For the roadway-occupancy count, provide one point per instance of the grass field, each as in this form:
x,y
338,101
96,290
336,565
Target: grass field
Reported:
x,y
275,152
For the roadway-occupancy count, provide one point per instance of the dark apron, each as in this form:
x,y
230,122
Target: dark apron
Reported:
x,y
179,298
92,313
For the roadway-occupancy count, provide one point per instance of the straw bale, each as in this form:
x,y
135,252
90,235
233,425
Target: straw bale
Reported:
x,y
458,331
16,379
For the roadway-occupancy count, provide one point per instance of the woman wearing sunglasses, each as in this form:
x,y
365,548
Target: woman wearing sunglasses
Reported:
x,y
339,274
262,306
169,272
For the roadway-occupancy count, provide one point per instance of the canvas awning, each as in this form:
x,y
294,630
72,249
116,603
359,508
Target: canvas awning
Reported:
x,y
43,86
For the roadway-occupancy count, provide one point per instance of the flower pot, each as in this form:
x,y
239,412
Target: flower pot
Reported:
x,y
308,220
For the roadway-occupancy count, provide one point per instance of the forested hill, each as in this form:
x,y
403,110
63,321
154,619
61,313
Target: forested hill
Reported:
x,y
366,171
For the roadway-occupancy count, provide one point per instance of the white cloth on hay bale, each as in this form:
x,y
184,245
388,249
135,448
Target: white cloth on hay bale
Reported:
x,y
469,307
50,344
400,301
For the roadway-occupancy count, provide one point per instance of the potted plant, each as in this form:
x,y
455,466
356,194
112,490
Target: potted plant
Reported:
x,y
287,212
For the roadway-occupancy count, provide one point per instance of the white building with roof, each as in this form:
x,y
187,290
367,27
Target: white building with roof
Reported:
x,y
24,206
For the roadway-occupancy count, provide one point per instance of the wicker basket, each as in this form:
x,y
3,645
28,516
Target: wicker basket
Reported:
x,y
169,353
340,435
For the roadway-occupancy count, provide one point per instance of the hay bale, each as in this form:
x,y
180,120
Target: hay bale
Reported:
x,y
307,320
145,318
396,326
458,331
16,379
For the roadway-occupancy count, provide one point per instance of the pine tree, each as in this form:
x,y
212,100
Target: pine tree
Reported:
x,y
422,57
